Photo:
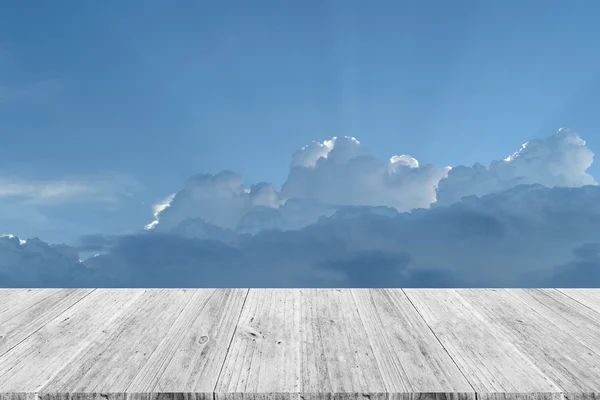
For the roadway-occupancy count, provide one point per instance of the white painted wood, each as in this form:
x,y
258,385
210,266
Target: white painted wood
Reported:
x,y
566,313
33,362
410,357
300,343
11,297
265,354
487,357
572,365
233,344
113,358
33,312
588,297
190,357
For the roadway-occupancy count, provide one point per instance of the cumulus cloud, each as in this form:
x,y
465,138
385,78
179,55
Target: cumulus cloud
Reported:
x,y
530,236
342,172
220,200
345,218
560,160
325,176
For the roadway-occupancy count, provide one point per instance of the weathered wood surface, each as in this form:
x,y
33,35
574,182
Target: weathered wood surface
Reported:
x,y
305,344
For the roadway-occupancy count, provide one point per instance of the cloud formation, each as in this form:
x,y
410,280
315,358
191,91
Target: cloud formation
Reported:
x,y
560,160
530,236
340,172
220,200
34,262
347,219
323,177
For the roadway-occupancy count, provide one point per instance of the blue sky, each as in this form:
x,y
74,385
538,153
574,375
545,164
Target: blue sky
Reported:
x,y
128,101
169,89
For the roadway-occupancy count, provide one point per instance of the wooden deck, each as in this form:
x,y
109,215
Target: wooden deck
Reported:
x,y
305,344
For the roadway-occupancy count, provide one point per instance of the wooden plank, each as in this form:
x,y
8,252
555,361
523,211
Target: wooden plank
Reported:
x,y
489,360
147,344
305,343
23,319
266,339
588,297
410,357
566,313
190,357
32,363
11,297
114,357
563,358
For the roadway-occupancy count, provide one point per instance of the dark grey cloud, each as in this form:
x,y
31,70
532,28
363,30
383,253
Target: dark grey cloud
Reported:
x,y
96,243
527,236
342,220
583,271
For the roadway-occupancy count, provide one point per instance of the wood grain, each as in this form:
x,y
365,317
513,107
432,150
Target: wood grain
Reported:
x,y
11,297
571,364
300,344
33,312
113,357
410,357
191,356
588,297
487,357
568,314
31,364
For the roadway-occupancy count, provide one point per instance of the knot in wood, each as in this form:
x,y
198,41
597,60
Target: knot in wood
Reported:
x,y
203,339
251,332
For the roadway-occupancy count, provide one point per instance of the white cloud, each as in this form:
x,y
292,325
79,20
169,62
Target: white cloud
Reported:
x,y
11,236
560,160
339,213
323,177
220,200
350,175
158,208
308,155
342,172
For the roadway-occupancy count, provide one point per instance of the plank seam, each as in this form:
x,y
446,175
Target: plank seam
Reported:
x,y
439,341
22,301
166,363
39,388
83,350
160,342
509,339
237,322
552,323
574,299
360,316
72,305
